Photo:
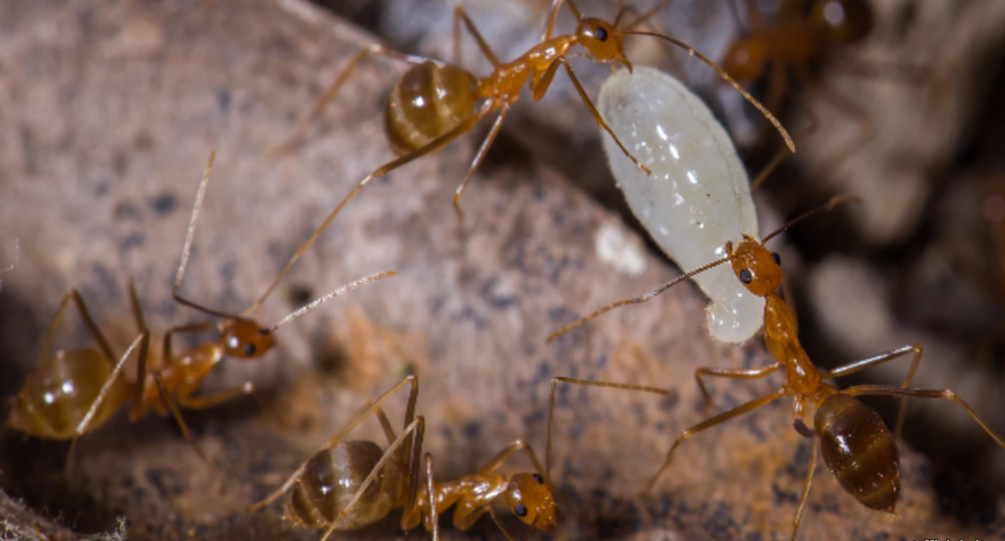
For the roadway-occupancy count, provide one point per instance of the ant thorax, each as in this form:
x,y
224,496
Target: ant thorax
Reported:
x,y
698,196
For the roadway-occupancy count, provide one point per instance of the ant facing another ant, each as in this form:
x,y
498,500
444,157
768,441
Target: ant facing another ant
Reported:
x,y
436,102
857,446
76,391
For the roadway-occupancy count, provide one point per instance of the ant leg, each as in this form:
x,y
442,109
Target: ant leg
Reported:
x,y
610,385
865,129
142,340
851,368
779,157
85,315
215,399
647,16
708,423
466,515
418,426
542,87
296,139
434,515
386,426
358,417
735,373
516,445
168,354
168,401
806,489
461,15
549,25
414,512
141,367
429,148
944,394
479,157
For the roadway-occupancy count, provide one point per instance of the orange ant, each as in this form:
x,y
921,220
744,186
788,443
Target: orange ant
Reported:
x,y
800,39
335,488
76,391
436,102
857,446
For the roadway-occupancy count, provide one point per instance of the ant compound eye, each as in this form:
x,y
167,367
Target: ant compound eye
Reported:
x,y
249,349
777,258
600,34
520,510
745,276
537,477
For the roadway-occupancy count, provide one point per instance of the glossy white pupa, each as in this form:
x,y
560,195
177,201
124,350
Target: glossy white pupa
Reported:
x,y
698,196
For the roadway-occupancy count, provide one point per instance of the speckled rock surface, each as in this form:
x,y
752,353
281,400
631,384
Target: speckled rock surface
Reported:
x,y
109,113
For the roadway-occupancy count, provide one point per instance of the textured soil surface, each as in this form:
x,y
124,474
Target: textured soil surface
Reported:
x,y
108,112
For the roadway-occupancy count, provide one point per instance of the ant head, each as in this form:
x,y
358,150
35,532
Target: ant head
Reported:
x,y
601,40
755,266
746,59
843,21
530,500
245,339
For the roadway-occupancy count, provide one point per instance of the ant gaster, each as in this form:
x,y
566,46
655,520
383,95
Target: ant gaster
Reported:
x,y
857,447
352,484
436,102
76,391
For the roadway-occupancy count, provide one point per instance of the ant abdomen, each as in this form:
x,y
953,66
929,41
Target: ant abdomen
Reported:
x,y
56,397
859,450
331,478
427,102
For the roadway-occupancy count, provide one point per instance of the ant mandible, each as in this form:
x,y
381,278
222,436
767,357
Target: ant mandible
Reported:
x,y
435,102
857,446
75,392
352,484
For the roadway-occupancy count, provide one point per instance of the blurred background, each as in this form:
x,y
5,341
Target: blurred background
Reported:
x,y
909,117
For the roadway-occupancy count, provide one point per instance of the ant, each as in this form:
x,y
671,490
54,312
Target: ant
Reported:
x,y
857,447
797,41
352,484
75,392
436,102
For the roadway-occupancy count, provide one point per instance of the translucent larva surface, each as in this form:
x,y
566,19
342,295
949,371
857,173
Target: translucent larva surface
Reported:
x,y
698,196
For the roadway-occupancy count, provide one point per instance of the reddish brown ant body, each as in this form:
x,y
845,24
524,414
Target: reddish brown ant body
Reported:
x,y
77,391
436,102
857,447
352,484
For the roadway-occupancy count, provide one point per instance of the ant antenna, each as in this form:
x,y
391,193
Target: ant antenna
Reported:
x,y
638,300
835,201
187,249
645,16
13,263
321,300
725,76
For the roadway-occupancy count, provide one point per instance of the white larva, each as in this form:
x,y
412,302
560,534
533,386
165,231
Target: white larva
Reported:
x,y
698,196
